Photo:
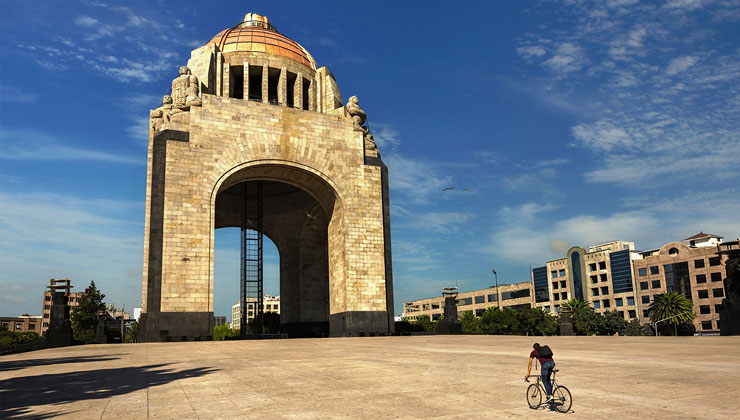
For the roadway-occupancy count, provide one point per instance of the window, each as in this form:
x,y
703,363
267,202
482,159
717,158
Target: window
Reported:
x,y
603,277
290,89
436,317
564,295
554,285
699,263
606,303
604,290
630,301
255,83
632,314
602,265
654,270
656,284
718,292
32,327
555,296
236,82
562,273
643,285
493,298
306,93
592,266
704,309
595,291
273,80
716,276
479,312
516,294
645,313
597,304
562,284
645,299
557,308
46,324
717,307
701,278
706,325
47,306
714,261
619,302
554,274
673,251
46,315
18,326
47,298
435,305
594,279
480,299
547,309
642,272
465,301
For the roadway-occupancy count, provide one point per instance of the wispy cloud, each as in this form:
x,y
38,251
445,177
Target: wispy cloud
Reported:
x,y
33,145
12,94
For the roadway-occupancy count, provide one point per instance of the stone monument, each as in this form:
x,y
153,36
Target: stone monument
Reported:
x,y
59,333
729,314
450,324
566,323
253,123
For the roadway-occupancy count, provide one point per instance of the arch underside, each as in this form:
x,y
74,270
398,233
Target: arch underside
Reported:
x,y
298,226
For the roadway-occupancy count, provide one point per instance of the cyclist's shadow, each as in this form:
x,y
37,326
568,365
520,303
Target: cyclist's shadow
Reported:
x,y
546,407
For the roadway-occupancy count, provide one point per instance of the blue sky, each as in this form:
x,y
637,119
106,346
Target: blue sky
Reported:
x,y
571,123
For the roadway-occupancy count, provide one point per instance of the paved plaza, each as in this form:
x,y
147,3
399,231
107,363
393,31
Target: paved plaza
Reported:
x,y
421,377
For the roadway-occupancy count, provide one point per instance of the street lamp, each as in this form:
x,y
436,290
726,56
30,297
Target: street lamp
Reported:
x,y
498,295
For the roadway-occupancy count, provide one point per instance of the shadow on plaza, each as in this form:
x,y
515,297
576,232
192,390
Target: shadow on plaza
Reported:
x,y
20,364
18,394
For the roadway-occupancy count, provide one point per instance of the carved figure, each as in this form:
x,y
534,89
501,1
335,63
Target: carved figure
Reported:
x,y
370,141
157,116
358,115
185,90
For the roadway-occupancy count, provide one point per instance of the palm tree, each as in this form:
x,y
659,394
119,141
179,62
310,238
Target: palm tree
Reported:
x,y
673,307
575,305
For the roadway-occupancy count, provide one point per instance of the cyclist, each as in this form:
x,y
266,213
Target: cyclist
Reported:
x,y
547,366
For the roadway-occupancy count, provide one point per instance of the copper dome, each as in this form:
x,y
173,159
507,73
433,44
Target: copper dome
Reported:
x,y
256,34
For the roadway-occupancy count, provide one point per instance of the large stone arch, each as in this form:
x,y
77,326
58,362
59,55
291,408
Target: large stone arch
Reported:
x,y
302,210
208,149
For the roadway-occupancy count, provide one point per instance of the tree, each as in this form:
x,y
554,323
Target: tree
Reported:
x,y
575,305
673,308
425,323
470,323
220,332
587,322
614,323
133,333
85,314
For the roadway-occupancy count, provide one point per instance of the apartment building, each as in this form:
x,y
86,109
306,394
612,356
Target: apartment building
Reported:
x,y
694,267
505,296
601,274
271,304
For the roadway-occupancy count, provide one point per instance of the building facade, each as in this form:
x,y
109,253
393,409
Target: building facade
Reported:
x,y
505,296
615,276
270,304
23,323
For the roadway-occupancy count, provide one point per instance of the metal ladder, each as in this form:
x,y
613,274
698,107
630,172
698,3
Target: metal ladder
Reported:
x,y
252,287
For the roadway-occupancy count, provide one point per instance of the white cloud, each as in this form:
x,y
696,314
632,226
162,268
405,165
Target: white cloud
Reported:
x,y
86,21
529,233
681,64
415,180
386,136
440,222
568,58
602,136
34,145
531,51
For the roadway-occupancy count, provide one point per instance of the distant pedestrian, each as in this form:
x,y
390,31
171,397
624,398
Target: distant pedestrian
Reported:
x,y
544,356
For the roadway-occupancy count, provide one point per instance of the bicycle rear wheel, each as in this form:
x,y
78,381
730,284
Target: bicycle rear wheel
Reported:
x,y
561,399
534,396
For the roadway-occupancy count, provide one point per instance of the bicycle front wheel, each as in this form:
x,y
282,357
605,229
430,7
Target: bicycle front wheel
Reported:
x,y
534,396
561,399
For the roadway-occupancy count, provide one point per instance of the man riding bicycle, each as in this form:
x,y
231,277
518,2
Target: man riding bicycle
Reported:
x,y
547,365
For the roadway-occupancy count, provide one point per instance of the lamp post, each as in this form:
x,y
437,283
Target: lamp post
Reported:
x,y
498,295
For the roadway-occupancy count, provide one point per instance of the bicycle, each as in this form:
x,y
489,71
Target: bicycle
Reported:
x,y
561,398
